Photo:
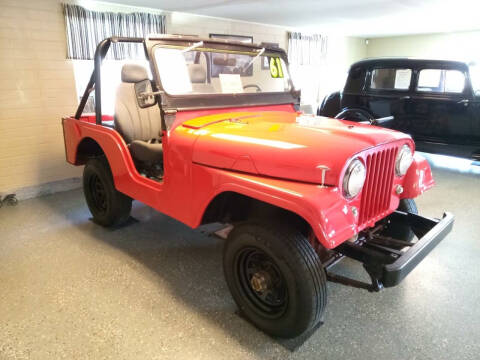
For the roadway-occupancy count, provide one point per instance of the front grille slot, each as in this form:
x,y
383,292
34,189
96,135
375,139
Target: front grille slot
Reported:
x,y
376,194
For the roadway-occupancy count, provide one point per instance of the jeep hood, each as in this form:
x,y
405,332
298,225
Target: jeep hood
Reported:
x,y
282,144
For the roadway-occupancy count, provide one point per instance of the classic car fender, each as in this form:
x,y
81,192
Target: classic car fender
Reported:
x,y
418,178
330,105
324,208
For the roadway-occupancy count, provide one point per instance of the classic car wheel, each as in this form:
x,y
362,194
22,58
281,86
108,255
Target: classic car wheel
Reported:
x,y
108,206
276,278
401,231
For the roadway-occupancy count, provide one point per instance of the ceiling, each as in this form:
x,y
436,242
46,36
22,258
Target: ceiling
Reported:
x,y
363,18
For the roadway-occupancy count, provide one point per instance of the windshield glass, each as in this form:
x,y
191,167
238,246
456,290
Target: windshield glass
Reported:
x,y
203,69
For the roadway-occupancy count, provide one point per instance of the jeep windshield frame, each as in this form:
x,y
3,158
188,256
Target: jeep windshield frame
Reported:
x,y
196,101
169,103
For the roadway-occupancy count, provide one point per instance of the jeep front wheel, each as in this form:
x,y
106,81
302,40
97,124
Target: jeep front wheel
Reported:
x,y
400,231
276,278
108,206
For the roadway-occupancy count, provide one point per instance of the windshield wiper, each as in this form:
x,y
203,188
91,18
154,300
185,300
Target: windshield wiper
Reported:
x,y
194,46
255,58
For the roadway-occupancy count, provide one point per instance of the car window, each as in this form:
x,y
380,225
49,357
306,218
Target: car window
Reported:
x,y
441,81
391,79
454,81
475,77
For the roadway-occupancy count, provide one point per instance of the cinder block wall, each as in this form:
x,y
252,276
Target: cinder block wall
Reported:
x,y
37,88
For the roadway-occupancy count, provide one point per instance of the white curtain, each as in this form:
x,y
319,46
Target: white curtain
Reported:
x,y
306,49
86,28
307,57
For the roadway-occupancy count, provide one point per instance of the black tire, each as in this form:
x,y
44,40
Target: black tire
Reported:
x,y
108,206
293,279
399,231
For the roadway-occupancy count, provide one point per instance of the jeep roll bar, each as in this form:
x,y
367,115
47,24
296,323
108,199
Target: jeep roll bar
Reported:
x,y
180,102
95,78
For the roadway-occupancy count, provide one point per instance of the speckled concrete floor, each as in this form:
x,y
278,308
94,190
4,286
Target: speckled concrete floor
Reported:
x,y
155,289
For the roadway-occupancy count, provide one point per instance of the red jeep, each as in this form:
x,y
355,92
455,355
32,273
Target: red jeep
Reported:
x,y
216,137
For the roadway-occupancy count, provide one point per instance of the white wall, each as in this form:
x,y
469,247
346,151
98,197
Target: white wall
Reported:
x,y
318,81
342,52
186,24
462,46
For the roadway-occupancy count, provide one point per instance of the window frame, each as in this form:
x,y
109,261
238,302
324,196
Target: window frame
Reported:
x,y
368,82
214,101
466,83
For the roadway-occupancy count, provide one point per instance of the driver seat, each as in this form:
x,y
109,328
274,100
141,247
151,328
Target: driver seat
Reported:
x,y
198,78
140,128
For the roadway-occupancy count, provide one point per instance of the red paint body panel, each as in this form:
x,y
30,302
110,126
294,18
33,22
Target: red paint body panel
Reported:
x,y
265,153
279,147
418,179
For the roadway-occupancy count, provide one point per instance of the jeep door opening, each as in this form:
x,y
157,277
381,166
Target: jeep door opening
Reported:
x,y
215,136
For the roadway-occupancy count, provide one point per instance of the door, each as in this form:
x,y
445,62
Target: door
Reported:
x,y
388,94
441,109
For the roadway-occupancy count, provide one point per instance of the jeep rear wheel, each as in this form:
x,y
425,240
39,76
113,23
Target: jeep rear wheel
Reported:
x,y
276,278
108,206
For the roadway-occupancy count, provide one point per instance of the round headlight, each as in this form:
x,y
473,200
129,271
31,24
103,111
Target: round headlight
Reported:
x,y
403,161
354,178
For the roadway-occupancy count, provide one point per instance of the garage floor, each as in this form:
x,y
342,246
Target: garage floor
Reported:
x,y
155,289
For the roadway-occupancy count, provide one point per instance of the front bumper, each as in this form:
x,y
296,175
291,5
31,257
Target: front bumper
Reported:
x,y
436,230
381,257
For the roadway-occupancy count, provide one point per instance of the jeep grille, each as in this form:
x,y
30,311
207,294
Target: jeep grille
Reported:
x,y
376,193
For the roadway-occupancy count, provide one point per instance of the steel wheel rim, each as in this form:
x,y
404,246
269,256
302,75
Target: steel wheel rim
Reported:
x,y
261,282
99,194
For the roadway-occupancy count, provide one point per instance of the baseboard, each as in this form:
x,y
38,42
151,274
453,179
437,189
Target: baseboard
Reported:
x,y
44,189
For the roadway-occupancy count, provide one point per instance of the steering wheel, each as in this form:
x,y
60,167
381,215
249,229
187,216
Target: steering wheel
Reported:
x,y
252,86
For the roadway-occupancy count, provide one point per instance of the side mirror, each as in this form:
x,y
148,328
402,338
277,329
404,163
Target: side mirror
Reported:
x,y
144,93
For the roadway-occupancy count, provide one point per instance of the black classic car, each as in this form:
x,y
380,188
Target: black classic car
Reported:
x,y
432,100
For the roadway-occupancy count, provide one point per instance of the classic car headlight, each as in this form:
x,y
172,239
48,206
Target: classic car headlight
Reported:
x,y
354,178
404,160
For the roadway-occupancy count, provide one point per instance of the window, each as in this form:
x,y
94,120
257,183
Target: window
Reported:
x,y
186,72
111,79
454,81
475,77
391,79
441,81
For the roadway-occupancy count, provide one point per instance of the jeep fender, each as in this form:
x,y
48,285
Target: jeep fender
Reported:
x,y
126,178
418,178
323,208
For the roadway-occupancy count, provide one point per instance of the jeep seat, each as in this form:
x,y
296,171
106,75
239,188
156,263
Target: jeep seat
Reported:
x,y
140,128
198,78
